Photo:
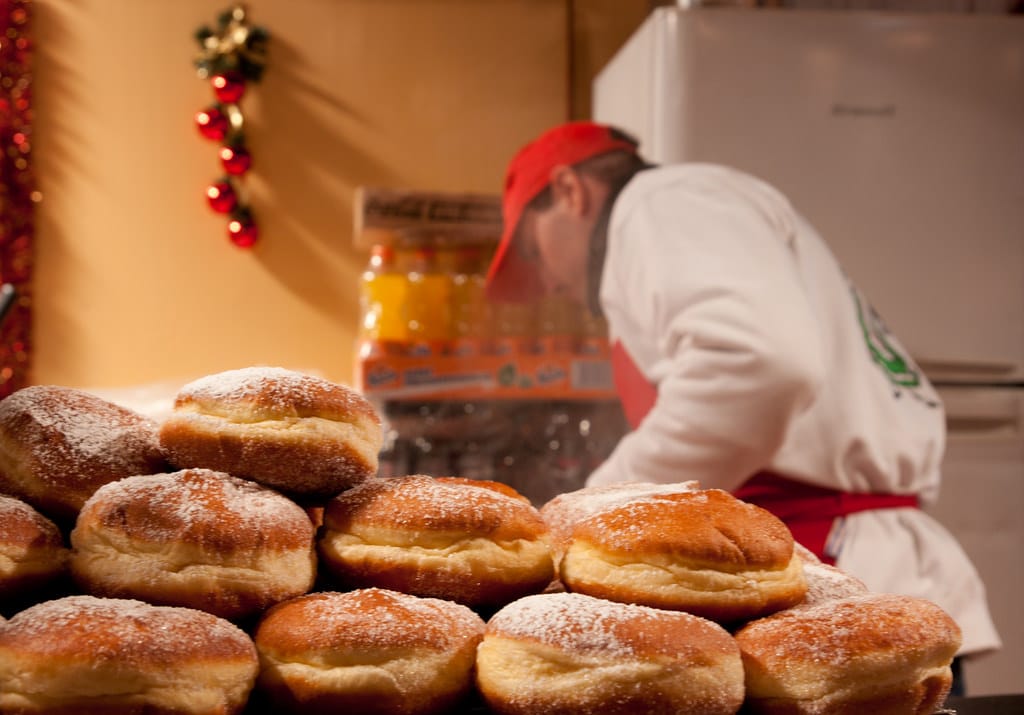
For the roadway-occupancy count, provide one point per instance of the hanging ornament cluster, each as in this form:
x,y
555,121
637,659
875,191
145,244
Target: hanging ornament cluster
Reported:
x,y
231,56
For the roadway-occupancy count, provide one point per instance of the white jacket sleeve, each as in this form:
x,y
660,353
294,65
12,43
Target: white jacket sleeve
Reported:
x,y
705,286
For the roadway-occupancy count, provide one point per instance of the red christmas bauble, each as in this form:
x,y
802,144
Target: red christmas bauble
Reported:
x,y
235,160
212,123
228,87
221,197
243,233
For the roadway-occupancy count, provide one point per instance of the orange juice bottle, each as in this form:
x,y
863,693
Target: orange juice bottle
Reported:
x,y
468,301
592,340
557,325
514,332
427,302
382,297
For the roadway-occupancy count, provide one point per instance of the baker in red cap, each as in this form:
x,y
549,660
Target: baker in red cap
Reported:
x,y
743,356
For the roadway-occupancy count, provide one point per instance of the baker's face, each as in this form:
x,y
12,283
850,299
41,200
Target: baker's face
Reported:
x,y
557,238
557,244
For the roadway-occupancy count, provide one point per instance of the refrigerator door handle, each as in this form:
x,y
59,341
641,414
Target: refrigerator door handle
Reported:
x,y
951,370
981,426
983,411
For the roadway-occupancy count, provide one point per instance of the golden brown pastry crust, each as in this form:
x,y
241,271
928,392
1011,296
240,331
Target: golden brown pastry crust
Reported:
x,y
439,538
704,552
875,653
298,433
92,656
571,653
32,550
194,538
564,511
367,651
59,444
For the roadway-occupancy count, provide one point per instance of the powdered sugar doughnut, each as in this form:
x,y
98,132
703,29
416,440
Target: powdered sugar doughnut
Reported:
x,y
570,653
59,444
82,655
301,434
367,651
876,653
32,550
195,538
563,512
704,552
441,538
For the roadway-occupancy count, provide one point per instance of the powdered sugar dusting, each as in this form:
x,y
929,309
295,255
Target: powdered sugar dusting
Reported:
x,y
277,392
426,502
839,631
574,621
246,382
564,511
827,583
12,510
114,627
71,432
24,535
192,503
374,617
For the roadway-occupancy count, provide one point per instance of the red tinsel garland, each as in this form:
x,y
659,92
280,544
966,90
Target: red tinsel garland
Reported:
x,y
17,190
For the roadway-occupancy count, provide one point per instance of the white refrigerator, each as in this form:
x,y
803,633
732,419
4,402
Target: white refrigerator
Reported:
x,y
901,137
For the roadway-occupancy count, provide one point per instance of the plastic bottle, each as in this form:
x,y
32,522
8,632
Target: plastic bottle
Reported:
x,y
558,324
592,336
427,303
382,297
469,306
513,329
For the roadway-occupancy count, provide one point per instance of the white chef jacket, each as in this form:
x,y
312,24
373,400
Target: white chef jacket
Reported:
x,y
766,357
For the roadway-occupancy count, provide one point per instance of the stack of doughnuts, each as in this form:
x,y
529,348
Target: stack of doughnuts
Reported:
x,y
244,555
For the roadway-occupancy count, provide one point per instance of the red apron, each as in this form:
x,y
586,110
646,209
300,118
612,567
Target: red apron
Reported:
x,y
809,511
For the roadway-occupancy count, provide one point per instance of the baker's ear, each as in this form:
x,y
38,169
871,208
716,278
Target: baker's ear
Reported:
x,y
568,189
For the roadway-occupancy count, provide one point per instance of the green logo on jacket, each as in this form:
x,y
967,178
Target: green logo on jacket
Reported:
x,y
886,353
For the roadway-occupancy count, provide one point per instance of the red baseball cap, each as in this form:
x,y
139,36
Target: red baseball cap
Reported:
x,y
510,278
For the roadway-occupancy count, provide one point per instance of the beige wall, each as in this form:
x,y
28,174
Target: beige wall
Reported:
x,y
136,281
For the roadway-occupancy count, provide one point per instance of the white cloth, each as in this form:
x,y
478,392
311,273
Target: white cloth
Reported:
x,y
766,357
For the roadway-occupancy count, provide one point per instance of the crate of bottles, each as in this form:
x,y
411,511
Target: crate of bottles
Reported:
x,y
517,392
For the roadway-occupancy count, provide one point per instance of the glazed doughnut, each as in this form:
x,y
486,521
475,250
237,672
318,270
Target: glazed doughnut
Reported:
x,y
704,552
571,653
58,445
32,550
194,538
297,433
82,655
453,539
876,653
367,651
564,511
